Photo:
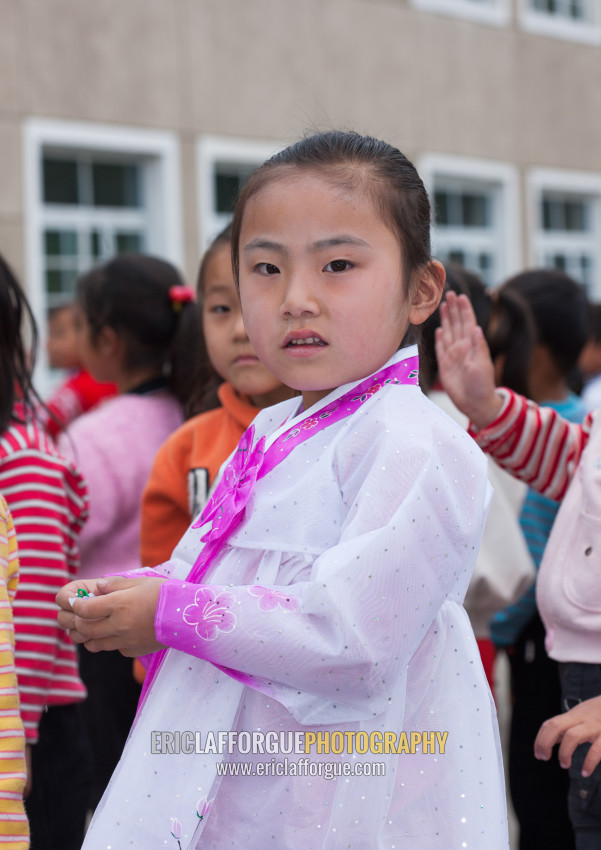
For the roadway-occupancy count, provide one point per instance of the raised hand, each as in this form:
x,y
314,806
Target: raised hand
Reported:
x,y
465,367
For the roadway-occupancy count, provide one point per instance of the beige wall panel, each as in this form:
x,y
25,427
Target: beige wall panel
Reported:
x,y
11,56
11,175
462,87
106,60
11,247
559,104
258,77
366,69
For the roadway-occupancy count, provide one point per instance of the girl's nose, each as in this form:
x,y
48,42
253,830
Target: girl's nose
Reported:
x,y
299,298
239,328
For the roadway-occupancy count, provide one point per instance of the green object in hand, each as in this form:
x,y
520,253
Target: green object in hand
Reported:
x,y
82,593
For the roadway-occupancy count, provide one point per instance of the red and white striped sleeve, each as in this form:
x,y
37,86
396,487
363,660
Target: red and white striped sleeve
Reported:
x,y
48,503
534,443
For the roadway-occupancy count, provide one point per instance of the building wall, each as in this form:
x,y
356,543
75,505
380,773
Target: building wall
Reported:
x,y
271,69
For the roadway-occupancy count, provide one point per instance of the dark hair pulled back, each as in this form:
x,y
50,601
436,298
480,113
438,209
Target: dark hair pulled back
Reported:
x,y
16,362
131,295
559,308
352,161
503,316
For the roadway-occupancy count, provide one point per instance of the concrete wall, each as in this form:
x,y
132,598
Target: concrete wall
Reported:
x,y
273,68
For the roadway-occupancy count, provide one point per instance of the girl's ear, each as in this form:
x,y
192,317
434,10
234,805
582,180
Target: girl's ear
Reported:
x,y
426,291
108,342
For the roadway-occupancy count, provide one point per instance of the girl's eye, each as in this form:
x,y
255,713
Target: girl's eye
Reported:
x,y
338,266
266,268
220,308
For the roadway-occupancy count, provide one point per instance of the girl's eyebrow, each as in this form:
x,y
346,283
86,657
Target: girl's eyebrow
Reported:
x,y
218,289
342,239
264,245
320,245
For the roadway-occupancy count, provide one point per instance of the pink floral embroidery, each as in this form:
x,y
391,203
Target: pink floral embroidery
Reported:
x,y
210,613
225,508
176,831
374,389
309,423
203,808
271,599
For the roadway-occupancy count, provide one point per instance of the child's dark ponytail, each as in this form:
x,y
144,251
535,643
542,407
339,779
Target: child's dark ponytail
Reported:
x,y
505,320
16,363
146,302
184,355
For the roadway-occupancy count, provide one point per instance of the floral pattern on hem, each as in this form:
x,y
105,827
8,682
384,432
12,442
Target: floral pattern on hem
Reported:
x,y
203,808
210,613
270,599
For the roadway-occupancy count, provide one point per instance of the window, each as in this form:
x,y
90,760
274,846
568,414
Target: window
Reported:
x,y
474,215
224,166
93,192
566,213
495,12
576,10
578,20
93,208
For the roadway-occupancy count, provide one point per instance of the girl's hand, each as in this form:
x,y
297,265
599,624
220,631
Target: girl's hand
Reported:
x,y
464,364
579,725
121,616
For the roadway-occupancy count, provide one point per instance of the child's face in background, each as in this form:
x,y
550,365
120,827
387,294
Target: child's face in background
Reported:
x,y
62,343
92,357
227,342
321,283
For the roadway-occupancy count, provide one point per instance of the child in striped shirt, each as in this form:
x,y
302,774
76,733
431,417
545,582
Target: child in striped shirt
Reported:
x,y
48,503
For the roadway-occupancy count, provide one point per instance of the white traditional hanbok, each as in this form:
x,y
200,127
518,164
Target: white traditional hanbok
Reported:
x,y
340,550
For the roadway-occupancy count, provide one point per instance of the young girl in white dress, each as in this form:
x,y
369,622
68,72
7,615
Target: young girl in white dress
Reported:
x,y
327,597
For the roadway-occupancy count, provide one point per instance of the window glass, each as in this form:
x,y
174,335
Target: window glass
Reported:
x,y
116,185
77,232
576,10
465,231
60,183
567,238
229,180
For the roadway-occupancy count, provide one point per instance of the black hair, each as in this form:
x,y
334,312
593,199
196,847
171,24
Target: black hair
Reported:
x,y
132,294
559,308
503,316
16,363
350,160
207,379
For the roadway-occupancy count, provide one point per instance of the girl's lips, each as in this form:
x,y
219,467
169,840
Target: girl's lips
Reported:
x,y
246,360
309,346
302,339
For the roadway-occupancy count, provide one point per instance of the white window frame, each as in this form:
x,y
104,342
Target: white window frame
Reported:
x,y
556,26
483,172
494,12
587,184
160,149
209,151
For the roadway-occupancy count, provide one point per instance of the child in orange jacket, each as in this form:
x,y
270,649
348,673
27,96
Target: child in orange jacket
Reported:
x,y
233,387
